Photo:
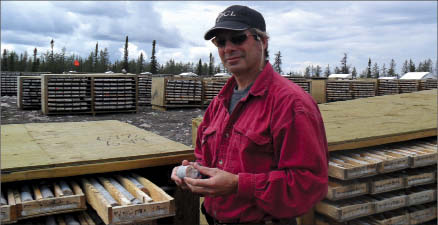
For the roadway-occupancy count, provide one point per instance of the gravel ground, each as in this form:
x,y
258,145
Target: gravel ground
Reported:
x,y
174,124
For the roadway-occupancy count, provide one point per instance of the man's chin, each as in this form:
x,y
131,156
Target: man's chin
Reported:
x,y
234,68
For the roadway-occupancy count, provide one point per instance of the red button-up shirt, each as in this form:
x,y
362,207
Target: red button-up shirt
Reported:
x,y
275,141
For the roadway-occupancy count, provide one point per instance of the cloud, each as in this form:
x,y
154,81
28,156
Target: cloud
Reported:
x,y
317,32
133,52
35,17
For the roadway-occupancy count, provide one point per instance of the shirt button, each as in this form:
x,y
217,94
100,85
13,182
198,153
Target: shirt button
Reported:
x,y
227,135
220,162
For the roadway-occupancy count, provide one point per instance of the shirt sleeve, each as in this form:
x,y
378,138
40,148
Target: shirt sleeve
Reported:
x,y
301,178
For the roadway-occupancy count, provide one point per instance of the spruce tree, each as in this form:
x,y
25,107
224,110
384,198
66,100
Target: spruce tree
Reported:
x,y
95,57
140,63
344,68
376,71
5,60
384,70
277,63
411,66
199,68
369,68
154,64
405,68
318,71
125,56
307,72
391,70
51,57
327,71
354,73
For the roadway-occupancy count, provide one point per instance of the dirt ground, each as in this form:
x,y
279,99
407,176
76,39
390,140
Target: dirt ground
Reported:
x,y
174,124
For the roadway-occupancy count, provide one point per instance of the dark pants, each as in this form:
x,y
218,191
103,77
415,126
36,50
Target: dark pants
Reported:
x,y
212,221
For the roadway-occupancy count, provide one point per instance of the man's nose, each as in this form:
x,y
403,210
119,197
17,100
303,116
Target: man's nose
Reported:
x,y
229,46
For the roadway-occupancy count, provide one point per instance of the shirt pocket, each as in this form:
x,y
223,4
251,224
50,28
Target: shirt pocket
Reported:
x,y
253,151
208,141
250,139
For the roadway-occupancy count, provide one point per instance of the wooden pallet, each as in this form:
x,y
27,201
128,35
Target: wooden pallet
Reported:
x,y
88,93
211,87
144,89
305,84
176,92
9,83
428,84
29,92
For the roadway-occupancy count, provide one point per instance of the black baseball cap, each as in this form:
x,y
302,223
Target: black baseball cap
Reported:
x,y
237,17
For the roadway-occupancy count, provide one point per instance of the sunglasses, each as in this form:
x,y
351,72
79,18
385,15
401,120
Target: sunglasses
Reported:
x,y
236,39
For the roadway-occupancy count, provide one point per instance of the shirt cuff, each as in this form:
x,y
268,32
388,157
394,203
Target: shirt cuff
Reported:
x,y
246,185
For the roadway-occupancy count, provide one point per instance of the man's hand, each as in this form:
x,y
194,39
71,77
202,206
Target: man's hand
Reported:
x,y
219,182
178,181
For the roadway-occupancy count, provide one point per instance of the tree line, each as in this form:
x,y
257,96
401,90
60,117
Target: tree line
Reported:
x,y
98,61
371,71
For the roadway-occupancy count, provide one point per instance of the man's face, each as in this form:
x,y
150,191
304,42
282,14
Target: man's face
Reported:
x,y
245,57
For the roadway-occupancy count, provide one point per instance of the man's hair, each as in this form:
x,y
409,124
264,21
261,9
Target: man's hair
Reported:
x,y
262,35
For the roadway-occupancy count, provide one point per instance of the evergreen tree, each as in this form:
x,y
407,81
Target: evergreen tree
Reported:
x,y
405,68
384,70
34,63
154,64
344,68
354,73
104,63
327,71
5,60
307,72
51,57
318,71
140,63
199,68
391,70
429,64
369,68
277,63
125,56
337,70
211,65
411,66
95,59
375,71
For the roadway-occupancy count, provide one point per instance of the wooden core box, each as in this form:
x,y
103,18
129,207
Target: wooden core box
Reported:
x,y
162,205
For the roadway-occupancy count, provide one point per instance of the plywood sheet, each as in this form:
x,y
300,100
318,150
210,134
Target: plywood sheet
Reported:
x,y
47,145
381,117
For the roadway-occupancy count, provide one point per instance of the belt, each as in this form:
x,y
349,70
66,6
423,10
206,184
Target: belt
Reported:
x,y
213,221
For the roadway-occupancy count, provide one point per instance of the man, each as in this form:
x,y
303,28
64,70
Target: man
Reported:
x,y
262,144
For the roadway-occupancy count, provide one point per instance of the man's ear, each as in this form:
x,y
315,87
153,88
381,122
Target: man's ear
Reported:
x,y
265,43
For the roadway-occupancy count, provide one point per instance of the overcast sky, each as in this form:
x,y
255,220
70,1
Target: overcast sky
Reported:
x,y
305,33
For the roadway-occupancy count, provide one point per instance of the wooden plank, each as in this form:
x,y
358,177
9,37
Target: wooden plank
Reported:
x,y
46,145
158,91
63,171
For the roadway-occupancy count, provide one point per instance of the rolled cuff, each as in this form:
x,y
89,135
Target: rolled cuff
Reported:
x,y
246,185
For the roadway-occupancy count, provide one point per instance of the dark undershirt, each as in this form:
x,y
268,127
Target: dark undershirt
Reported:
x,y
237,96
